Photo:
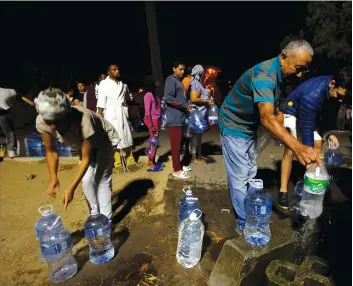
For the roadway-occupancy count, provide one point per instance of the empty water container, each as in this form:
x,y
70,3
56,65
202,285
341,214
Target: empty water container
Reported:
x,y
294,205
56,247
190,240
258,207
191,203
187,193
97,233
196,121
213,115
46,220
35,146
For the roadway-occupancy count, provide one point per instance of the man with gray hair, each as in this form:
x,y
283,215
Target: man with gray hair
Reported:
x,y
251,102
83,129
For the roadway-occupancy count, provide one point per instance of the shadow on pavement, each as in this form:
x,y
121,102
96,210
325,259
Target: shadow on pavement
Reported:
x,y
129,196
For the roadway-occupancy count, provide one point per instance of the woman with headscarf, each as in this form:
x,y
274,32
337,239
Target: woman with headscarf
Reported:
x,y
200,97
80,128
152,106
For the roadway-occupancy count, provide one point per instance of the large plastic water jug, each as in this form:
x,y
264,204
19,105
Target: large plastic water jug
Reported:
x,y
63,150
56,247
97,233
196,121
190,240
333,156
258,208
35,146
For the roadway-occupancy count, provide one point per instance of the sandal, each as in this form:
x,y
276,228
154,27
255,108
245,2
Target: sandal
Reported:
x,y
157,168
197,161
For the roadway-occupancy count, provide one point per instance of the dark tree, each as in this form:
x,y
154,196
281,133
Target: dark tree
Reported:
x,y
329,29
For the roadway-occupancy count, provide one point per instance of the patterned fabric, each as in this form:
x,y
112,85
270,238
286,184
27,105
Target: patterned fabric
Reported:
x,y
239,115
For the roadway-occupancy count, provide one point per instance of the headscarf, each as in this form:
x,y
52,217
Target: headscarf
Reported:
x,y
52,104
197,72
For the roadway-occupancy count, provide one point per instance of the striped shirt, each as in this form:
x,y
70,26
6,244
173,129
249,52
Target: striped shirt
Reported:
x,y
239,115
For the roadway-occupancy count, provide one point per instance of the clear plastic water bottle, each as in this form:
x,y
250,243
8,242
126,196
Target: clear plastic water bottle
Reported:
x,y
333,156
97,233
316,180
190,240
164,121
35,146
63,150
187,128
213,115
153,144
258,207
56,247
46,220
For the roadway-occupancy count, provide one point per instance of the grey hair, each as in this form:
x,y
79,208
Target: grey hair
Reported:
x,y
298,45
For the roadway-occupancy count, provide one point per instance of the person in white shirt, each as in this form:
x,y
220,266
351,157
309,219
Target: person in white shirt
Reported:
x,y
112,100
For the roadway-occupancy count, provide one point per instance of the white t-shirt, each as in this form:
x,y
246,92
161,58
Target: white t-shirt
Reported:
x,y
7,98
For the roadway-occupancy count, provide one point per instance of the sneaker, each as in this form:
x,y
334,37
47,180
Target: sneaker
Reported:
x,y
240,230
187,169
282,200
182,175
12,154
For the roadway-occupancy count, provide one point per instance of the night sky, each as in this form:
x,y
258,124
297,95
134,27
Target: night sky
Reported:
x,y
87,36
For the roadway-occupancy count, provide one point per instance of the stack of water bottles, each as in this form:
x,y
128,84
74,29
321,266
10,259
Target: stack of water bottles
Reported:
x,y
191,231
97,233
35,146
196,121
63,150
316,180
55,246
258,208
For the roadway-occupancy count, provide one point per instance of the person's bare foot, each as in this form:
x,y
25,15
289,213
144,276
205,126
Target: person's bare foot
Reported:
x,y
150,165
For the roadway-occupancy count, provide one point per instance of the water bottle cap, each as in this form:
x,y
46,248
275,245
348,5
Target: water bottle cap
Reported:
x,y
256,183
193,216
94,212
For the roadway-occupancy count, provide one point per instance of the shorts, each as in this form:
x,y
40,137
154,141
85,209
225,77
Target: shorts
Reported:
x,y
290,122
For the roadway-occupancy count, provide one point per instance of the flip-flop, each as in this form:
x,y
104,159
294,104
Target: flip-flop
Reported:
x,y
157,168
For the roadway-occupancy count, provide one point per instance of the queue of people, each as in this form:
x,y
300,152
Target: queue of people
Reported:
x,y
95,120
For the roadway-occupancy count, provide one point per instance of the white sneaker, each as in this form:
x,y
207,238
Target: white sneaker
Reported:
x,y
182,175
187,169
12,154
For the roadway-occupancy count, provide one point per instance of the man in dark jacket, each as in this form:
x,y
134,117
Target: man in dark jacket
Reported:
x,y
174,97
91,95
308,103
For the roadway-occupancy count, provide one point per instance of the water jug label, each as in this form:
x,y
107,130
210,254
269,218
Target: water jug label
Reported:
x,y
263,210
315,186
96,232
259,210
56,248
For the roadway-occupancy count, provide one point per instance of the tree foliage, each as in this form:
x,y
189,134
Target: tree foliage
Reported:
x,y
329,28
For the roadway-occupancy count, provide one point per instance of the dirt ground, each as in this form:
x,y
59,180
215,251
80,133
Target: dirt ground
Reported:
x,y
23,187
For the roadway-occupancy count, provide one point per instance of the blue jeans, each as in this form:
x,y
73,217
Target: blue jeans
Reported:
x,y
239,157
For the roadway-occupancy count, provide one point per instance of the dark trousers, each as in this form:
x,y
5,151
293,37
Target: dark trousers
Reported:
x,y
7,126
175,136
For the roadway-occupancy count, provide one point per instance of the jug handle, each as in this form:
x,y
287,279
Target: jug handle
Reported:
x,y
40,209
